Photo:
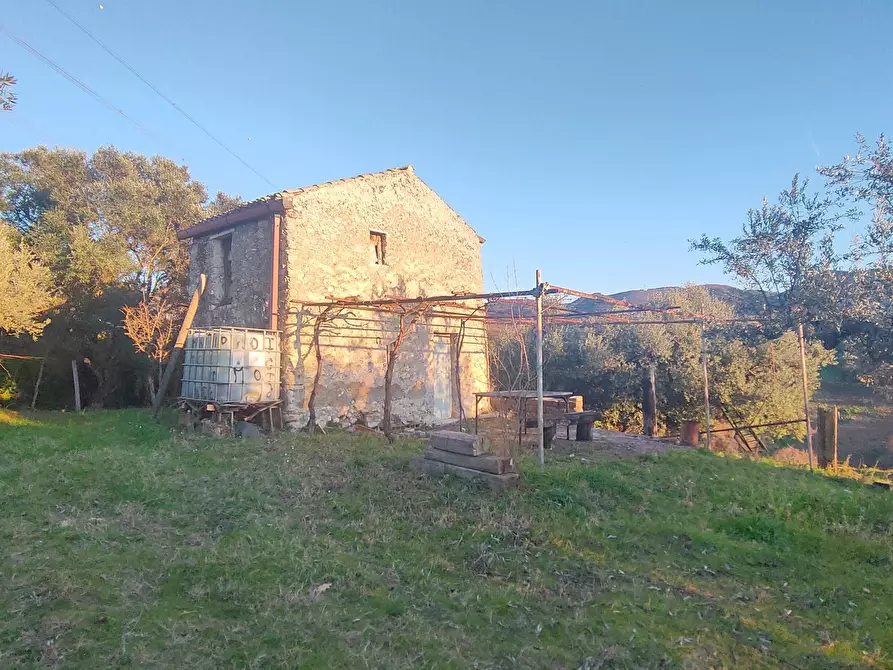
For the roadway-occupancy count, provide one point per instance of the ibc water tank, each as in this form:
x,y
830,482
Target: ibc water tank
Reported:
x,y
225,365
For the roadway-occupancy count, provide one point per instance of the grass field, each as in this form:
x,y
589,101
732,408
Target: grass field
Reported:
x,y
123,543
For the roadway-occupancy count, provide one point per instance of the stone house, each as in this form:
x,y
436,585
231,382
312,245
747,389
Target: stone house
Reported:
x,y
370,237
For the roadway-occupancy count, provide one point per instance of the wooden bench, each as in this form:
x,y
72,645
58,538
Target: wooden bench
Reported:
x,y
583,421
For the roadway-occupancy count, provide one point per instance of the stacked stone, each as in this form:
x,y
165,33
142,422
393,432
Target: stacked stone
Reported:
x,y
466,456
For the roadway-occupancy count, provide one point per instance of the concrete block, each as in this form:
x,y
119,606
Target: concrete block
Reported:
x,y
497,465
459,443
438,469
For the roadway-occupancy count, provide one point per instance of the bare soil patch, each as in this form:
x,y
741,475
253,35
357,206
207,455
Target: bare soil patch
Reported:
x,y
503,435
866,423
610,444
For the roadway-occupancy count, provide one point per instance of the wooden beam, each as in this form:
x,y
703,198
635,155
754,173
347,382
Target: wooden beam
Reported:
x,y
37,384
436,468
274,278
77,385
178,346
802,341
458,443
496,465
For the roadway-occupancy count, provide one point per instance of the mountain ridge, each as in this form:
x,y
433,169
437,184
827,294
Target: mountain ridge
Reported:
x,y
744,301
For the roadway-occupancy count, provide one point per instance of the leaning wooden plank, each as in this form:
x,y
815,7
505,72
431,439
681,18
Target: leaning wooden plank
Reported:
x,y
459,443
438,469
497,465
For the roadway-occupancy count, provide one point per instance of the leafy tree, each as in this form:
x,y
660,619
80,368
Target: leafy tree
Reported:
x,y
866,180
222,203
151,327
758,380
26,288
786,251
110,217
106,226
867,177
7,96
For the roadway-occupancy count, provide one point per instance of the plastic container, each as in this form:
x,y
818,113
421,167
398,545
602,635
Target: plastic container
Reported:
x,y
225,365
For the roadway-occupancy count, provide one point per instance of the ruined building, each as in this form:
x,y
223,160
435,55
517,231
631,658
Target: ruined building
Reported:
x,y
369,237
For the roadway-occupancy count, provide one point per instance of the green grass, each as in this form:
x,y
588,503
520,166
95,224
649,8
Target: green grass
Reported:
x,y
123,543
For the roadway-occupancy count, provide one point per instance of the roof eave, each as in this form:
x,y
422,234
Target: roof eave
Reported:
x,y
250,212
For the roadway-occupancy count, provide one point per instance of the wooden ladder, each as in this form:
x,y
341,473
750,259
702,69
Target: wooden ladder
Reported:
x,y
745,435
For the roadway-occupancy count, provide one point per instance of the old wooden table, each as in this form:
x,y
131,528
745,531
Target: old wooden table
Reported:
x,y
522,397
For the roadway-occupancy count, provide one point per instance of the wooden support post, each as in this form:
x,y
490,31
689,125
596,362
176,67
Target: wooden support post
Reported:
x,y
77,385
805,393
522,415
832,436
274,278
37,384
706,387
178,346
649,403
821,424
826,432
456,376
539,367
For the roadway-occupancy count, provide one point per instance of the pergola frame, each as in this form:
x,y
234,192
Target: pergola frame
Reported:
x,y
532,312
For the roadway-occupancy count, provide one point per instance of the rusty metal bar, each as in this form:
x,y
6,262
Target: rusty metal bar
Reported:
x,y
614,301
600,297
757,425
348,302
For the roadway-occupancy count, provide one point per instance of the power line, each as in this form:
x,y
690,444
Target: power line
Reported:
x,y
160,94
70,77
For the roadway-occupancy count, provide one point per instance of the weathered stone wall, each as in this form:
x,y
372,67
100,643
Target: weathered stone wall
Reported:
x,y
249,306
326,252
354,357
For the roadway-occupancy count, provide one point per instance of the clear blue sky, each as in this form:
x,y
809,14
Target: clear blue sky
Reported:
x,y
590,139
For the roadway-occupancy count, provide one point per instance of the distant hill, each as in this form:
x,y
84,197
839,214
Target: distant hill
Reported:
x,y
744,301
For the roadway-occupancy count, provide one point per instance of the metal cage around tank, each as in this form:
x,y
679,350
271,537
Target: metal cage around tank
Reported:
x,y
225,365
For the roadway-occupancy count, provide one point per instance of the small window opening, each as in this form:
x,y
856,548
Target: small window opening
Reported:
x,y
379,246
226,249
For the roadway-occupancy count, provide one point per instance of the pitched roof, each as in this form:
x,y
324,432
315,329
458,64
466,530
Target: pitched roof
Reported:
x,y
247,211
274,204
360,177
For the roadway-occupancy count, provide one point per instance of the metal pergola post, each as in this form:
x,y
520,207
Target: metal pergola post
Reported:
x,y
706,387
539,368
